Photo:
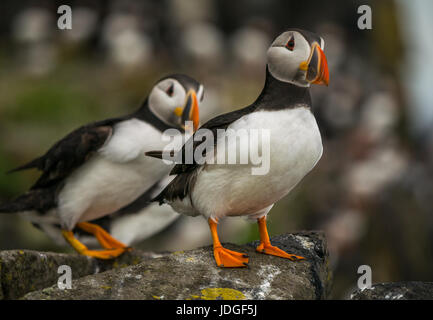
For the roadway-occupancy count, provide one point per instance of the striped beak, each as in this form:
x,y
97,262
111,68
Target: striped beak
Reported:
x,y
316,66
190,111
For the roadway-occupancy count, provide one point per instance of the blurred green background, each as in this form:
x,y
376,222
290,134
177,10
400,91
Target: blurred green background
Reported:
x,y
372,190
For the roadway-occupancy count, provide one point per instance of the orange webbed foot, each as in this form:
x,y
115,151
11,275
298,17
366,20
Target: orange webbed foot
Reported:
x,y
104,254
275,251
103,237
99,254
226,258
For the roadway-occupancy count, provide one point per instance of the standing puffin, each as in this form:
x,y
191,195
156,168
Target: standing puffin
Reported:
x,y
101,168
294,61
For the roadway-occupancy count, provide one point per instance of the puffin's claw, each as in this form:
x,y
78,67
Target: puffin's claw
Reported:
x,y
226,258
104,254
275,251
103,237
99,254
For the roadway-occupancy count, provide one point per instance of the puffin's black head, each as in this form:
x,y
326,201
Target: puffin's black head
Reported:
x,y
296,56
175,99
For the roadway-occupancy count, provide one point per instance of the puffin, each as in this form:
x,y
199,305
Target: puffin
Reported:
x,y
132,224
100,169
203,186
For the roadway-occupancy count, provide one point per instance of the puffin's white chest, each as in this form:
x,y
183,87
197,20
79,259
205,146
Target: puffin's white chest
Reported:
x,y
115,176
295,148
296,144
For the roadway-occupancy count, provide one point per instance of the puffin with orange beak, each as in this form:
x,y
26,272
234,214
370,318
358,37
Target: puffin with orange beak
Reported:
x,y
100,169
283,113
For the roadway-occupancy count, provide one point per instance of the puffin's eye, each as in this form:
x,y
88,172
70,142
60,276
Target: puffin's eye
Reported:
x,y
291,44
170,90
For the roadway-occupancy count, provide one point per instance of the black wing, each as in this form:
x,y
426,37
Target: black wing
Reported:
x,y
70,152
220,122
186,174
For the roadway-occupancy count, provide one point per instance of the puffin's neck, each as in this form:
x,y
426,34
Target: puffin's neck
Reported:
x,y
146,115
277,95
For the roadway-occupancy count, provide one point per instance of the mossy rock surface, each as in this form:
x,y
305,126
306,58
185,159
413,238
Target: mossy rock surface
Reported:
x,y
186,275
22,271
411,290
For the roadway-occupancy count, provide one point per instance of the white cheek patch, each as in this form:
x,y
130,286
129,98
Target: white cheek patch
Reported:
x,y
284,64
161,104
284,67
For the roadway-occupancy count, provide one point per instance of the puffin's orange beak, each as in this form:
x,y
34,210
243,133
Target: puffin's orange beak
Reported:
x,y
316,66
195,113
190,111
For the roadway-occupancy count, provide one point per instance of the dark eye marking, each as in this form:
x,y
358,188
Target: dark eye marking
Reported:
x,y
170,90
290,45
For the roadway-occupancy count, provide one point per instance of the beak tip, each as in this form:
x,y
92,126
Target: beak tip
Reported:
x,y
322,77
191,110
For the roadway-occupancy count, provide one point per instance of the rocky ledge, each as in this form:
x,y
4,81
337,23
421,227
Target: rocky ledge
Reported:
x,y
411,290
22,271
179,275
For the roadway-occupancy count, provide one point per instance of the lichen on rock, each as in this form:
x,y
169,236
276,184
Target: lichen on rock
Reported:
x,y
411,290
185,275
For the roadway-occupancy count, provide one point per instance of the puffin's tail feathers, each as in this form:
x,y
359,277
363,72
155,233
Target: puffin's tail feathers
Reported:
x,y
154,154
160,154
39,199
14,206
32,164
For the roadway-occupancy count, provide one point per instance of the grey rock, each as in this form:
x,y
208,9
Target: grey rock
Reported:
x,y
22,271
413,290
194,275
